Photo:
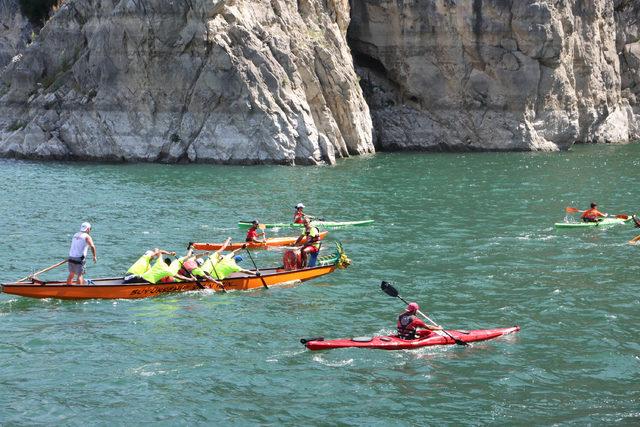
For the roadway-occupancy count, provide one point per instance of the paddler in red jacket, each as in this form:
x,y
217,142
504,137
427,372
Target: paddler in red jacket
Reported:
x,y
252,234
408,323
298,216
592,215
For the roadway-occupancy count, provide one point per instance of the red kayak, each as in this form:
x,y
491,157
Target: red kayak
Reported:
x,y
392,342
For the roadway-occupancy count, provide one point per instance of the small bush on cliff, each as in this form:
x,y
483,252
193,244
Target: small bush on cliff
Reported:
x,y
38,10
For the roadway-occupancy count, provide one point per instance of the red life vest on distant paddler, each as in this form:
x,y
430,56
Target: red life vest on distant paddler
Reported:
x,y
407,324
298,217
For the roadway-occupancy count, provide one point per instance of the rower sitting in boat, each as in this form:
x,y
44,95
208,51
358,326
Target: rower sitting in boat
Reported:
x,y
228,265
298,216
592,214
408,323
252,233
143,264
164,271
311,246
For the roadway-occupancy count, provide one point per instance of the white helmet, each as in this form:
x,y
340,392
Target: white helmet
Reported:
x,y
299,205
84,227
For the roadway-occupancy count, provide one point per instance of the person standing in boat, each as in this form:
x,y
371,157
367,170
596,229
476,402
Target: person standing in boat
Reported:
x,y
408,324
80,243
252,234
592,214
311,246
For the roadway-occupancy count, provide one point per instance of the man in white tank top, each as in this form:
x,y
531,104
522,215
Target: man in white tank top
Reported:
x,y
80,243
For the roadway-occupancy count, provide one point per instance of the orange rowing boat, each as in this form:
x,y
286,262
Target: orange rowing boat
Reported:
x,y
270,242
110,288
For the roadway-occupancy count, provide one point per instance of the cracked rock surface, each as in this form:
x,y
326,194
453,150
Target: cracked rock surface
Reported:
x,y
15,31
224,81
497,75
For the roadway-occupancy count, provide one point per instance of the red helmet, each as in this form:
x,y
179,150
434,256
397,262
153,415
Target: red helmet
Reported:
x,y
413,307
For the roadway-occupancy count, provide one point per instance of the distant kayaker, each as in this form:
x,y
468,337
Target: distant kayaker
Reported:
x,y
80,243
298,216
408,323
143,264
311,245
592,214
252,234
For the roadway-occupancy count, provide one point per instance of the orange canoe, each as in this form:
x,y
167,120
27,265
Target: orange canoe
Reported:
x,y
111,288
271,242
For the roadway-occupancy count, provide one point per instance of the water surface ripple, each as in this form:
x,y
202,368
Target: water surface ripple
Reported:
x,y
468,236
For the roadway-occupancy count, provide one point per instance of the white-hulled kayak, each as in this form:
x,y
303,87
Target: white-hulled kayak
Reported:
x,y
321,224
605,222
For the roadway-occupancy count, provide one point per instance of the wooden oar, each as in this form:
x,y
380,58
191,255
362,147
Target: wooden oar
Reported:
x,y
388,289
42,271
635,240
256,267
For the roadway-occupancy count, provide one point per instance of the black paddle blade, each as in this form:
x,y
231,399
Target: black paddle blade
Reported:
x,y
306,340
388,289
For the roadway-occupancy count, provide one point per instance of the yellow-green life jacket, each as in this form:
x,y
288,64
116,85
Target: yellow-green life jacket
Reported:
x,y
160,270
140,266
210,264
226,266
313,233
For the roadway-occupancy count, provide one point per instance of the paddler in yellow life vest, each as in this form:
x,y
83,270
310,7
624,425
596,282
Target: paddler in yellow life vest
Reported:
x,y
311,246
220,267
143,264
164,271
191,266
228,265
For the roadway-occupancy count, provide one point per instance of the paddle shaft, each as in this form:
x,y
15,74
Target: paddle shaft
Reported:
x,y
219,279
42,271
256,267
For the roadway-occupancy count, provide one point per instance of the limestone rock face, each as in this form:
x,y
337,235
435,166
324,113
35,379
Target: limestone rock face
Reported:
x,y
628,47
492,74
226,81
15,31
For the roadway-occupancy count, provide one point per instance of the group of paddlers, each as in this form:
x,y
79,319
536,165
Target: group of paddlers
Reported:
x,y
212,267
204,266
309,239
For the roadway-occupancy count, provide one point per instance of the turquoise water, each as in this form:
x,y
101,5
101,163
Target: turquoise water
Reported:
x,y
468,236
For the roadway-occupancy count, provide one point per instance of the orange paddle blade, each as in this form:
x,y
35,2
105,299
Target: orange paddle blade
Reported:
x,y
625,217
262,226
571,210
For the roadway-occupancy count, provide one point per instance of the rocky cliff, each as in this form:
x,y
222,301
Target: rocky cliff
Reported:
x,y
273,81
15,31
628,47
495,74
228,81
